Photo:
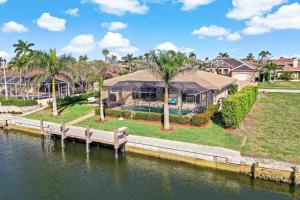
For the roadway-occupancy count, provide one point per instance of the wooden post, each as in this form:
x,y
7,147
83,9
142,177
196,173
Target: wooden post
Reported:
x,y
116,143
253,169
88,139
294,175
42,132
63,134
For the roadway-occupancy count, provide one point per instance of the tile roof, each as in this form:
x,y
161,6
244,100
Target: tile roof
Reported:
x,y
287,64
237,65
204,79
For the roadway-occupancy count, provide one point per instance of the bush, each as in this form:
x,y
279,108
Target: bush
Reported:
x,y
72,99
148,116
237,106
286,76
115,113
233,88
18,102
179,119
200,119
213,109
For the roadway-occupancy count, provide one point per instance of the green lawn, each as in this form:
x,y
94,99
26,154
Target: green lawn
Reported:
x,y
66,114
280,85
273,127
212,135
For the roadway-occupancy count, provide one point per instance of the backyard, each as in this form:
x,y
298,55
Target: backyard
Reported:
x,y
212,135
280,85
273,127
66,114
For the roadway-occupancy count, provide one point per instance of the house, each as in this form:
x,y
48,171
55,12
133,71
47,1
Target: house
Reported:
x,y
237,69
288,65
188,92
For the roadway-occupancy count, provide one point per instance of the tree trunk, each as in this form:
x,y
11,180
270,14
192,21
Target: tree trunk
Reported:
x,y
102,119
54,104
166,109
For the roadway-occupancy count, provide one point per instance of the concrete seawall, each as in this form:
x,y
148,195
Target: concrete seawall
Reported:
x,y
203,156
215,158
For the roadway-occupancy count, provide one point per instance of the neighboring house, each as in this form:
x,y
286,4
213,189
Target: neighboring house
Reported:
x,y
288,65
237,69
188,92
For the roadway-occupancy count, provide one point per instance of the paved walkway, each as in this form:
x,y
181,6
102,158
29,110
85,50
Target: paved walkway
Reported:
x,y
82,118
279,90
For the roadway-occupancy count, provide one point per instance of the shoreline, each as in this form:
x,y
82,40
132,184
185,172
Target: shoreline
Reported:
x,y
201,156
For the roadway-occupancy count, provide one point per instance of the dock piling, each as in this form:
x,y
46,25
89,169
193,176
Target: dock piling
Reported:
x,y
116,143
88,139
63,134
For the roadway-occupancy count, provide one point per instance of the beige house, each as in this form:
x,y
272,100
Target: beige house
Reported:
x,y
238,69
188,92
288,65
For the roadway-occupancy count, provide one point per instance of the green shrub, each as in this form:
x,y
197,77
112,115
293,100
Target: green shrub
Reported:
x,y
286,76
148,116
18,102
237,106
213,109
116,113
233,88
179,119
199,119
72,99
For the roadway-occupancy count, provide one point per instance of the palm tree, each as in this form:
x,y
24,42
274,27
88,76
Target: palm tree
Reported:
x,y
193,55
105,53
166,65
114,59
224,55
250,57
49,65
270,69
264,55
83,58
23,48
129,60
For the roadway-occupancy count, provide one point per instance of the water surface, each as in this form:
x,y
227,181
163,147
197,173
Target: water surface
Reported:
x,y
29,171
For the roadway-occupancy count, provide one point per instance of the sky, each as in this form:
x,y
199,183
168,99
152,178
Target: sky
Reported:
x,y
205,27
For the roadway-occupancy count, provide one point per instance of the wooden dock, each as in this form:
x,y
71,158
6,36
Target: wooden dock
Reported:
x,y
117,139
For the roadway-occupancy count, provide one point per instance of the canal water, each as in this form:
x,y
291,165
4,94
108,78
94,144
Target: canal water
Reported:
x,y
29,171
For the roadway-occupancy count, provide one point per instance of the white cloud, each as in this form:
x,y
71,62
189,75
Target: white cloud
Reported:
x,y
81,44
51,23
286,17
167,46
114,26
246,9
193,4
4,54
3,1
120,7
117,42
14,27
73,12
216,31
211,31
233,36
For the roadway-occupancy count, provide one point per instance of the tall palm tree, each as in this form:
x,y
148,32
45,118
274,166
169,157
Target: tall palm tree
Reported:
x,y
83,58
49,66
166,65
264,55
250,57
224,55
23,48
129,59
105,53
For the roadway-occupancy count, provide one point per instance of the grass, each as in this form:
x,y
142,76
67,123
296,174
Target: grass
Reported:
x,y
280,85
66,114
273,127
212,135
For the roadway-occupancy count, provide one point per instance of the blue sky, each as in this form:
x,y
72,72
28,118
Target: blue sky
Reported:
x,y
206,27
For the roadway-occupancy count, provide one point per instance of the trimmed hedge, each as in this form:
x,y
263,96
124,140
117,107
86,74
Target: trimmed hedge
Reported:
x,y
233,89
196,120
73,99
200,119
18,102
237,106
